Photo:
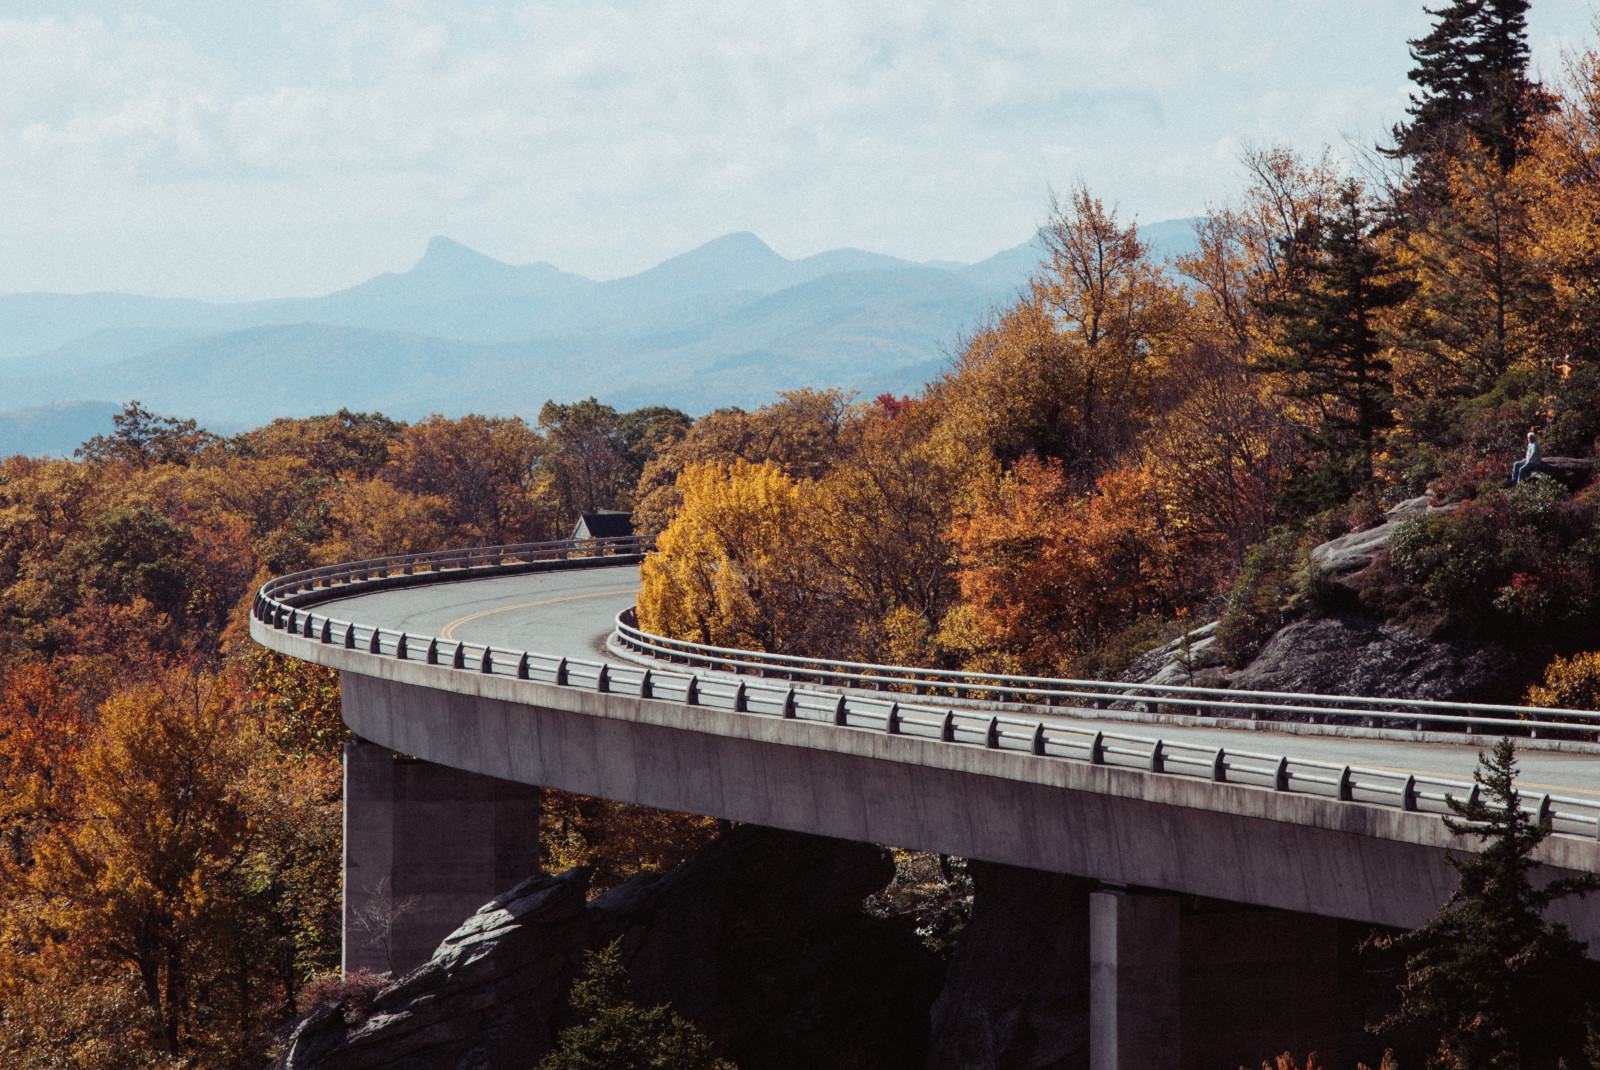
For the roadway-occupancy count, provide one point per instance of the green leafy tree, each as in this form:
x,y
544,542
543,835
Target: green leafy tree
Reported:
x,y
1472,83
1502,986
617,1035
1329,349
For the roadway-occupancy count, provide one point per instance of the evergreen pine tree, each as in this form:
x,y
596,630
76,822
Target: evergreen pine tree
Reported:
x,y
616,1035
1472,83
1328,346
1503,987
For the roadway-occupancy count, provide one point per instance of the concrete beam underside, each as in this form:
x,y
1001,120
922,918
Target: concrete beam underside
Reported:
x,y
1109,837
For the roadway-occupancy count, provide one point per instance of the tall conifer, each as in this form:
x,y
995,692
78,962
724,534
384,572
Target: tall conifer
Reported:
x,y
1472,83
1328,345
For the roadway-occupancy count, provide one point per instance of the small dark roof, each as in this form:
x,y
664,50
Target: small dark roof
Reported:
x,y
606,524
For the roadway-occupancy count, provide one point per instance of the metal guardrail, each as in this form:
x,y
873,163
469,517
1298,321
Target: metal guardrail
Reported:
x,y
1087,696
343,580
761,696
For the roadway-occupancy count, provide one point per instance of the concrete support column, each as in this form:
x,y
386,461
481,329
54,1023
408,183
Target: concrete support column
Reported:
x,y
1134,954
424,846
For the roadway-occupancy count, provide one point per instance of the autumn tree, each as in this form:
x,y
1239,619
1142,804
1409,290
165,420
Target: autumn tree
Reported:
x,y
142,879
143,439
1048,572
596,455
799,434
1481,281
1244,250
483,468
352,444
739,564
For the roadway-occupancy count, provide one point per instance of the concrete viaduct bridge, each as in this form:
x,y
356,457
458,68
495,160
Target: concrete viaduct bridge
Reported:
x,y
502,669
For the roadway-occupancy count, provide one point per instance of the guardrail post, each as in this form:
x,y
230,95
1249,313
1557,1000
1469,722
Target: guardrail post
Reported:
x,y
1347,789
1541,813
741,700
947,730
647,686
350,636
1475,794
840,714
307,630
691,692
602,680
1157,759
294,621
327,631
1097,749
458,660
433,652
1408,794
561,673
991,738
891,720
486,666
1280,775
522,668
1219,766
400,647
1038,738
789,706
374,645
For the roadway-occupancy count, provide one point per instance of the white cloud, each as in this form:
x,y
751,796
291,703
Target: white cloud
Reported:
x,y
326,141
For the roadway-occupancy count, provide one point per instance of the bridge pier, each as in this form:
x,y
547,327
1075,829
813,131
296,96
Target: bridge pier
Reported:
x,y
1182,983
425,845
1134,981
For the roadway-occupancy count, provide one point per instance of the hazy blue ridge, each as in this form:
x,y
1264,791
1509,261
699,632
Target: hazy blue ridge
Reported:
x,y
728,323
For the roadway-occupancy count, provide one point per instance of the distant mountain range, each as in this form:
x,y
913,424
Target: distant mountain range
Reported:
x,y
728,323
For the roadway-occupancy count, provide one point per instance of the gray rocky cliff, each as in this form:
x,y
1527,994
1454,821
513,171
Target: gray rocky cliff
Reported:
x,y
1338,649
759,939
1018,990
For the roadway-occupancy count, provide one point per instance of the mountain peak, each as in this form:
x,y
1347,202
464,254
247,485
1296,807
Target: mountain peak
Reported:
x,y
446,254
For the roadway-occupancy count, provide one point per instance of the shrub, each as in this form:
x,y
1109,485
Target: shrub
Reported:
x,y
355,991
1514,564
1273,575
1569,684
616,1035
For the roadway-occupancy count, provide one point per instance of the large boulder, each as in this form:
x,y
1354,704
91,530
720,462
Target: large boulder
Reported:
x,y
1018,992
1572,472
1351,654
759,939
1353,552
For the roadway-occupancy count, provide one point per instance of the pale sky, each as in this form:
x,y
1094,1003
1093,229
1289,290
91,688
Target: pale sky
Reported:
x,y
292,147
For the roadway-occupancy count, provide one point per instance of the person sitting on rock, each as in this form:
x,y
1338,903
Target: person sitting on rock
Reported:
x,y
1522,468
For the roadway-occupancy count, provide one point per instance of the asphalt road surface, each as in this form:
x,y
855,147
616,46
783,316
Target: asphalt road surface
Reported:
x,y
572,613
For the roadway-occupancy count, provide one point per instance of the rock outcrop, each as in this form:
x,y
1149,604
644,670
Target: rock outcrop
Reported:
x,y
759,939
485,999
1572,472
1336,648
1351,654
1355,551
1018,990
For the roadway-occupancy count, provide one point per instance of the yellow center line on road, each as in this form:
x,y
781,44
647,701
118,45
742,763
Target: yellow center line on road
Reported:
x,y
449,630
1520,784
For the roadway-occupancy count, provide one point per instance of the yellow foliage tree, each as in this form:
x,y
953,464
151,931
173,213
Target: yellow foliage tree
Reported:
x,y
738,565
141,879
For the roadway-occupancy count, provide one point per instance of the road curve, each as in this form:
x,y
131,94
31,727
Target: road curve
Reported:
x,y
571,613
